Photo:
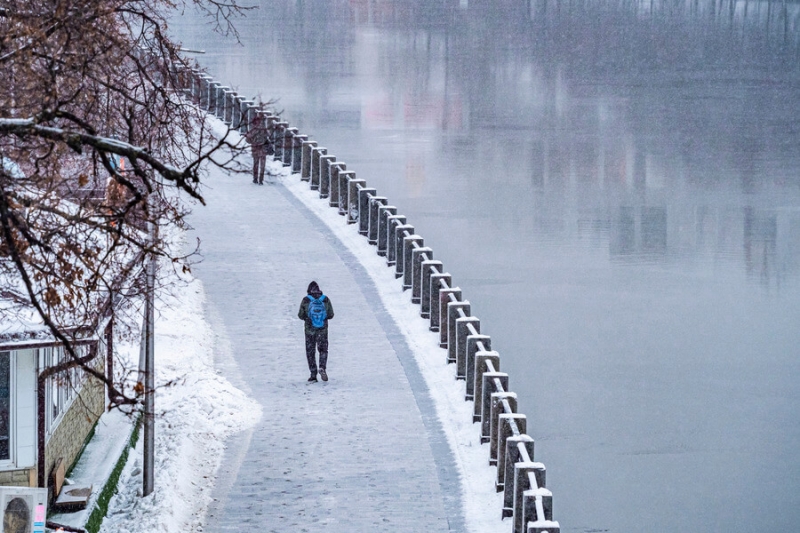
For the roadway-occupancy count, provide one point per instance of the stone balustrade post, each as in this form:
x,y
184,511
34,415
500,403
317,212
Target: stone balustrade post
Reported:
x,y
316,154
418,256
220,107
236,112
522,485
344,190
205,89
297,152
473,348
213,90
442,315
503,431
250,112
428,268
384,212
229,96
409,244
491,414
536,524
395,250
497,430
374,203
514,456
288,143
305,172
487,388
325,162
353,186
462,332
452,316
365,194
333,186
278,133
434,306
482,361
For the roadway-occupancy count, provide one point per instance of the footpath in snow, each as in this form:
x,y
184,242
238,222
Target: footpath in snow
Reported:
x,y
246,443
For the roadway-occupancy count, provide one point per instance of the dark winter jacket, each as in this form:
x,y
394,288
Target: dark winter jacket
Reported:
x,y
258,137
314,290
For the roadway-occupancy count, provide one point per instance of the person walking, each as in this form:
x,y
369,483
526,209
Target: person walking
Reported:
x,y
258,137
315,311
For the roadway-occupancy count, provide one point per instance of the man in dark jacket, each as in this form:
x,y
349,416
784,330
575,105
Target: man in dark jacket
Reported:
x,y
316,310
260,145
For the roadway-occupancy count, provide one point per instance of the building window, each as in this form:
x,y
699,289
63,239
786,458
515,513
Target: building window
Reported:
x,y
62,388
5,406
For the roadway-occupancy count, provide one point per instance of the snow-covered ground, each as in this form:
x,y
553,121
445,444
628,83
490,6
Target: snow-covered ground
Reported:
x,y
195,416
201,409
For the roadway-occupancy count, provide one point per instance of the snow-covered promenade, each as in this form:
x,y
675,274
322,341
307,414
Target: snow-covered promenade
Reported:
x,y
361,452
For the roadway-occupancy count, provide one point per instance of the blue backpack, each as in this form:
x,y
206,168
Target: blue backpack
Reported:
x,y
316,311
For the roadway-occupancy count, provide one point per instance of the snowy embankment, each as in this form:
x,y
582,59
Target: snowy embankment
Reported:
x,y
201,409
196,413
482,504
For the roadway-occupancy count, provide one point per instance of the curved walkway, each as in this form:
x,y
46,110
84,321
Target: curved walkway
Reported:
x,y
363,452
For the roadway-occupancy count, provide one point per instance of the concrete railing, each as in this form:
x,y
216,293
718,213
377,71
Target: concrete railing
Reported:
x,y
522,480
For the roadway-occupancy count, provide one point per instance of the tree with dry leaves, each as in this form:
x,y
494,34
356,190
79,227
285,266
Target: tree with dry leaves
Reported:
x,y
97,146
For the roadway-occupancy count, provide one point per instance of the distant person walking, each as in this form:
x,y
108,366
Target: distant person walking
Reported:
x,y
260,145
316,310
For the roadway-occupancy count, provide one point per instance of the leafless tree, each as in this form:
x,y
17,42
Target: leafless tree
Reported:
x,y
96,144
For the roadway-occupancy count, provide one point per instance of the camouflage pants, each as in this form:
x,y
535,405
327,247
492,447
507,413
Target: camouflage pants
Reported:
x,y
317,340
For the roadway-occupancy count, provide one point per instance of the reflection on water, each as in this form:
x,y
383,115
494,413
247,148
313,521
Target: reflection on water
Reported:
x,y
633,168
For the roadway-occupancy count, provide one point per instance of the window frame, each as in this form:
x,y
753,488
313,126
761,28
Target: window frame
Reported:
x,y
12,410
64,387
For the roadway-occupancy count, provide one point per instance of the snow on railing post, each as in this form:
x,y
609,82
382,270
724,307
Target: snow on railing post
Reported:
x,y
487,389
475,344
409,243
213,87
325,162
520,481
333,184
435,285
227,104
485,361
250,113
305,172
399,232
316,153
531,500
219,102
502,428
514,456
384,212
205,91
288,142
374,203
418,256
194,85
445,297
364,196
351,203
392,220
297,152
236,112
465,326
278,131
429,267
454,311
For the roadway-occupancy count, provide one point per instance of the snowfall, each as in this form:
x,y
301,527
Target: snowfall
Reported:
x,y
202,409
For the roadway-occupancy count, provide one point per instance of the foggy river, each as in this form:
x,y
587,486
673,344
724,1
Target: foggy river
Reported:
x,y
615,185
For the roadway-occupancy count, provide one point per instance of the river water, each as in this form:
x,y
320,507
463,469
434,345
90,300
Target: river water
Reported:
x,y
615,185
